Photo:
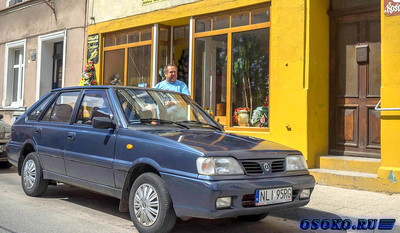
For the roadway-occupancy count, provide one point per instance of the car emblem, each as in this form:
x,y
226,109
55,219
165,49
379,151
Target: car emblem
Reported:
x,y
266,167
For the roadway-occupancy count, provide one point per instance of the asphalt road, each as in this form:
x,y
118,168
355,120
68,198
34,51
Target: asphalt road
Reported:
x,y
64,208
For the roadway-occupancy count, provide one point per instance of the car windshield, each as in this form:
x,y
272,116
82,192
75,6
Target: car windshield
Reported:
x,y
158,107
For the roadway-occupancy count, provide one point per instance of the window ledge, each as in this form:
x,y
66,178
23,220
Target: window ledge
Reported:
x,y
12,108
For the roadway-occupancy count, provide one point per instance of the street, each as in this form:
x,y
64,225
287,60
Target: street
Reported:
x,y
68,209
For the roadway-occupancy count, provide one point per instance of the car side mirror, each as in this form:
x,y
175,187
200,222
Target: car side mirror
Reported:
x,y
103,123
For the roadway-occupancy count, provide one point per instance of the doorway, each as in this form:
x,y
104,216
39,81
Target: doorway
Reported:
x,y
355,81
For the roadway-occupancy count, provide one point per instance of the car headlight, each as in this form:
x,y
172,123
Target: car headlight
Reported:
x,y
295,162
210,166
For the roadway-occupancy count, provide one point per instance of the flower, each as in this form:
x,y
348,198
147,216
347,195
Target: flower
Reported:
x,y
94,82
90,67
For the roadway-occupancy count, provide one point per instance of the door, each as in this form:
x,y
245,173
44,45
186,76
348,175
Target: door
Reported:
x,y
50,132
355,84
89,152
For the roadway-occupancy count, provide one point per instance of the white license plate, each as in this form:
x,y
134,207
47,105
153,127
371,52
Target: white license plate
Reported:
x,y
273,196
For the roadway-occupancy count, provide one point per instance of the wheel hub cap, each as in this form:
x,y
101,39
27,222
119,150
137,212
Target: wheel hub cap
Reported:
x,y
29,174
146,205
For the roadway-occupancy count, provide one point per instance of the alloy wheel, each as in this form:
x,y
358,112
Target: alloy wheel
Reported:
x,y
146,205
29,174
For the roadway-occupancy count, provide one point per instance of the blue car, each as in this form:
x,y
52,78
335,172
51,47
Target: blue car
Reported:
x,y
158,152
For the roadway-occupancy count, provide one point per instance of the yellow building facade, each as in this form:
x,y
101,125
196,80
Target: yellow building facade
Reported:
x,y
293,49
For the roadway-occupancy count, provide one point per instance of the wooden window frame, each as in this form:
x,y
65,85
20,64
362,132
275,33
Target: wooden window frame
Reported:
x,y
229,31
126,47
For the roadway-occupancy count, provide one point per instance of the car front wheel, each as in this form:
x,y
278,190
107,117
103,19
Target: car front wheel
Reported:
x,y
150,205
32,176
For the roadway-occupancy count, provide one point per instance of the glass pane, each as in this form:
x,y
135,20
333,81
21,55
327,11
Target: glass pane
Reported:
x,y
179,32
16,56
240,19
203,25
39,109
250,83
109,40
210,73
58,48
114,67
260,15
63,107
94,104
220,22
15,85
133,37
145,34
139,66
163,55
121,38
164,34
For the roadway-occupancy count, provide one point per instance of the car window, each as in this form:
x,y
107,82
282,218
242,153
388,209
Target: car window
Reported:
x,y
34,115
61,110
94,104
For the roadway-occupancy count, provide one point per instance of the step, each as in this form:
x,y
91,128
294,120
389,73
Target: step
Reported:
x,y
354,180
349,163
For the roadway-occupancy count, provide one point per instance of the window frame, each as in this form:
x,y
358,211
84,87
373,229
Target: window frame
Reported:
x,y
229,31
126,47
9,71
50,97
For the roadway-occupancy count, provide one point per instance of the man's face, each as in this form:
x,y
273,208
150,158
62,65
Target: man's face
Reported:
x,y
171,74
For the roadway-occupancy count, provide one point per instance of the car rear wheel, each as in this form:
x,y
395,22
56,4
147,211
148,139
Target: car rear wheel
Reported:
x,y
253,217
32,176
150,205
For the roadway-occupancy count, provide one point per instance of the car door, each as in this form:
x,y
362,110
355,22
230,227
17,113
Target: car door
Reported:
x,y
50,132
89,151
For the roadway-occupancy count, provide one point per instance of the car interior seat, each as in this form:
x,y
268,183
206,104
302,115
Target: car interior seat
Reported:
x,y
61,113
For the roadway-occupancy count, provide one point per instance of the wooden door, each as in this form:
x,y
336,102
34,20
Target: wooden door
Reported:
x,y
355,84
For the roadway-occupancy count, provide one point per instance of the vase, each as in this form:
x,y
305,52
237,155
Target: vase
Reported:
x,y
243,118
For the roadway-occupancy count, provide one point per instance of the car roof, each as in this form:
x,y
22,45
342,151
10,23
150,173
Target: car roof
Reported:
x,y
111,87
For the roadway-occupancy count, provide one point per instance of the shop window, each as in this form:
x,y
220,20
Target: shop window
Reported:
x,y
121,39
114,67
210,74
250,84
109,40
163,50
181,52
139,66
232,79
133,37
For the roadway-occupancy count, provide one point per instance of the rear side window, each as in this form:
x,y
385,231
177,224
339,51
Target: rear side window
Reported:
x,y
61,110
34,115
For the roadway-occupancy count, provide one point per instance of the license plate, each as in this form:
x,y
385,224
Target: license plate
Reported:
x,y
273,196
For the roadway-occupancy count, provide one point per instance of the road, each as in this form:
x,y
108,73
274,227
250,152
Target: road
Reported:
x,y
64,208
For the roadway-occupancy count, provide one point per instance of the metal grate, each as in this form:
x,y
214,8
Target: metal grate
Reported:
x,y
252,167
278,166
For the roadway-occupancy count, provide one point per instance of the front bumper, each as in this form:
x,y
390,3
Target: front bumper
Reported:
x,y
196,198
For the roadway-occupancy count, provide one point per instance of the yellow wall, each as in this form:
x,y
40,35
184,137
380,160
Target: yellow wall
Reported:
x,y
390,95
299,48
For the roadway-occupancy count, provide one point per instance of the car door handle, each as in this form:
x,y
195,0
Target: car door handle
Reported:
x,y
71,136
38,130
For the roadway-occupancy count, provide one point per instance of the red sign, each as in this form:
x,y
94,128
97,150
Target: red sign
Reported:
x,y
392,7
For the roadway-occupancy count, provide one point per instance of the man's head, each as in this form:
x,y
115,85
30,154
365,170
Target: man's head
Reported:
x,y
171,73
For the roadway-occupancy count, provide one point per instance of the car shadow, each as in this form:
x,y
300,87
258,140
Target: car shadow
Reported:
x,y
279,221
8,170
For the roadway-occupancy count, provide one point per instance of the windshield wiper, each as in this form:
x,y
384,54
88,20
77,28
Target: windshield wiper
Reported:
x,y
161,121
201,123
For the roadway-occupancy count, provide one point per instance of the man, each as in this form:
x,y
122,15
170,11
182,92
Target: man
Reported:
x,y
171,83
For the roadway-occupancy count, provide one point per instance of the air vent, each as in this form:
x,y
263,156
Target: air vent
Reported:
x,y
278,166
252,167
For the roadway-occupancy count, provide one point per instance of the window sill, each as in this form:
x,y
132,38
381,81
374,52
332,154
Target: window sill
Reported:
x,y
12,108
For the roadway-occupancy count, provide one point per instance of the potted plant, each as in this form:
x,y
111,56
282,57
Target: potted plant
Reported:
x,y
242,116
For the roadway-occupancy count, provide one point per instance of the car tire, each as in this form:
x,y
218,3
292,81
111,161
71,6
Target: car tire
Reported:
x,y
32,176
157,205
5,165
253,217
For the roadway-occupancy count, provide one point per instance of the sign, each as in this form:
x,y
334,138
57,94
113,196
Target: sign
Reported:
x,y
93,48
147,2
392,7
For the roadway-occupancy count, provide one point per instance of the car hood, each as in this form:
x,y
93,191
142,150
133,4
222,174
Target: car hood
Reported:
x,y
214,143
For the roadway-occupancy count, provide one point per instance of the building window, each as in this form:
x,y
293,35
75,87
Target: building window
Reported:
x,y
231,66
127,58
14,75
57,65
13,2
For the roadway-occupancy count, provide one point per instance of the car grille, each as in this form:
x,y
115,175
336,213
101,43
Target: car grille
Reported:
x,y
278,166
252,167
